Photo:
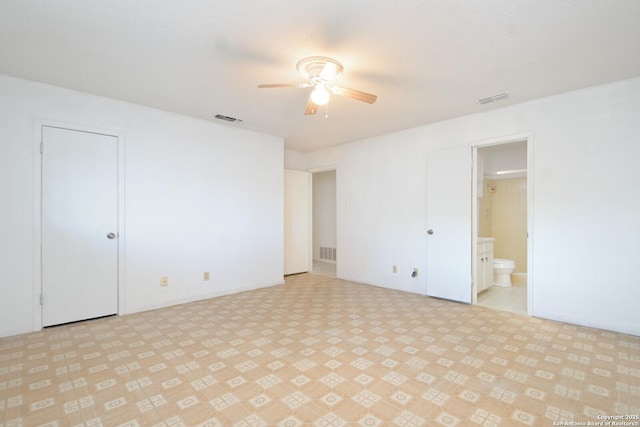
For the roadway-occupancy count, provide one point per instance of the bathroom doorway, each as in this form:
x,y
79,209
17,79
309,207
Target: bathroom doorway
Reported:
x,y
502,206
324,240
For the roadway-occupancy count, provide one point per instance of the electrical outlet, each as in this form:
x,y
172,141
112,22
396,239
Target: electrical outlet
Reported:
x,y
164,281
395,268
205,276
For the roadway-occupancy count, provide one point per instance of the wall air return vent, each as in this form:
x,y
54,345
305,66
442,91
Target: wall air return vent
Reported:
x,y
496,97
327,253
227,118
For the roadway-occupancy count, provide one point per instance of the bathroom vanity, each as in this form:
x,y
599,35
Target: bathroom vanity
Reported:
x,y
484,263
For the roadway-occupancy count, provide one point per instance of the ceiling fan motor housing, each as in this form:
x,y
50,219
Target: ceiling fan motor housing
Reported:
x,y
314,65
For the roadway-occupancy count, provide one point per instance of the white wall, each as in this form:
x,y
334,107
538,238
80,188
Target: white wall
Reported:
x,y
586,226
324,211
295,160
200,196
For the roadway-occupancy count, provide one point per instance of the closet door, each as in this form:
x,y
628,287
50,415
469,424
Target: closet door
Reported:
x,y
79,225
297,222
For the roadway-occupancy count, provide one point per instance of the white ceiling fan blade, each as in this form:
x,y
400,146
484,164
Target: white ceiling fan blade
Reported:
x,y
354,94
275,85
312,107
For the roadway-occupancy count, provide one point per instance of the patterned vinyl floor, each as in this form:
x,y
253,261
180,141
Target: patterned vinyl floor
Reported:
x,y
318,352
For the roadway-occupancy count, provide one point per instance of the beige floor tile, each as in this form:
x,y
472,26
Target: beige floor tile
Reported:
x,y
318,351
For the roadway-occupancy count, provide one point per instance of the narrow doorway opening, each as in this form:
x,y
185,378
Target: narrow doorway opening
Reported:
x,y
501,223
324,241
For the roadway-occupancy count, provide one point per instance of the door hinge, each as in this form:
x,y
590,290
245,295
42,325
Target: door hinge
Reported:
x,y
42,148
41,299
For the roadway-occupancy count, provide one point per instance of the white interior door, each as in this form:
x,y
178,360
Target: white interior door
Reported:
x,y
79,225
297,222
449,224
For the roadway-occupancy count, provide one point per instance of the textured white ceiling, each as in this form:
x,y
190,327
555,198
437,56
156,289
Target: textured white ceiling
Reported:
x,y
426,60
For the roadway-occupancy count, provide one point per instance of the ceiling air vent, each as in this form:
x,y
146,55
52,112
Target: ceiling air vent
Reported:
x,y
227,118
496,97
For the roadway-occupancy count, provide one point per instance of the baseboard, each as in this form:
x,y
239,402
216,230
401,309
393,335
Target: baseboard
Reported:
x,y
519,278
328,261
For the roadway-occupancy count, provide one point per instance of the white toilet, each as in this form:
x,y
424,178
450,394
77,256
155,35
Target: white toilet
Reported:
x,y
502,269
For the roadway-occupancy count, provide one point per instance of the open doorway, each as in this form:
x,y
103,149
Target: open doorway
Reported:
x,y
501,223
324,248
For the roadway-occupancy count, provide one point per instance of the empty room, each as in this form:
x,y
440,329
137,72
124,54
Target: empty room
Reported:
x,y
333,213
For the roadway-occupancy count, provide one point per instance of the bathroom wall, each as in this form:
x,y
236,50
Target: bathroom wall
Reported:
x,y
503,215
485,223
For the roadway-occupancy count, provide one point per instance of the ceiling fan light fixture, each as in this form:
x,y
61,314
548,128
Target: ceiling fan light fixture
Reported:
x,y
320,71
320,95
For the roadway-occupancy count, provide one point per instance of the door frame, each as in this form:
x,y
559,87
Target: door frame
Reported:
x,y
312,171
310,228
38,126
474,209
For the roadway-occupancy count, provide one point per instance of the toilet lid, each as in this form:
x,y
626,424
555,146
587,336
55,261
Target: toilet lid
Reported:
x,y
504,262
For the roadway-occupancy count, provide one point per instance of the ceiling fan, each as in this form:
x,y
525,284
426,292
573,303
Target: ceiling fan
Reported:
x,y
320,71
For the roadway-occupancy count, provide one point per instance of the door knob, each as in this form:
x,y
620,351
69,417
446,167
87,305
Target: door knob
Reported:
x,y
429,231
111,236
